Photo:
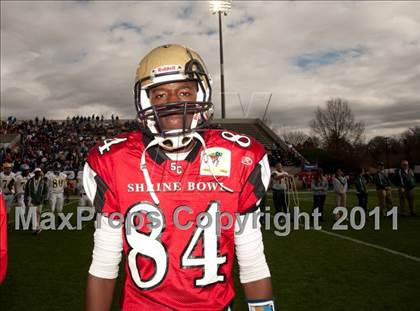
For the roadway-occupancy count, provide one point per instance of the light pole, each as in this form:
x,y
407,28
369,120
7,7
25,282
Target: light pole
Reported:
x,y
387,151
221,7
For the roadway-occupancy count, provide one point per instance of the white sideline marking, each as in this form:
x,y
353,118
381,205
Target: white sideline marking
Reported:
x,y
388,250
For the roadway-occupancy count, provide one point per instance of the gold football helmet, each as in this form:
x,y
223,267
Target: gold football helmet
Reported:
x,y
166,64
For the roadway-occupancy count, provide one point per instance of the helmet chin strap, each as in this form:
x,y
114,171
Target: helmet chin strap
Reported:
x,y
143,167
149,184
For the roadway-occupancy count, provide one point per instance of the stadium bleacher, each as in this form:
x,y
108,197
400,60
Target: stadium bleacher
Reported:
x,y
277,149
47,138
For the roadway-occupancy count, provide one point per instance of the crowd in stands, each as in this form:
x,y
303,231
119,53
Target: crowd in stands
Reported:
x,y
45,142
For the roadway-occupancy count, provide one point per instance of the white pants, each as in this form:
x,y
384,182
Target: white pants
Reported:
x,y
56,201
84,201
8,198
21,206
37,220
21,200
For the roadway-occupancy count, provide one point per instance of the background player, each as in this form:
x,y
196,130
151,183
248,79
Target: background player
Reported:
x,y
57,182
21,179
7,181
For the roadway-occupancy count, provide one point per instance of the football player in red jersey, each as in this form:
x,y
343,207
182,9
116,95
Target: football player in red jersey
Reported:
x,y
173,181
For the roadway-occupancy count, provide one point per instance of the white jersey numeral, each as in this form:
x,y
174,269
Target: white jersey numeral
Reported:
x,y
108,143
210,260
241,140
149,245
146,245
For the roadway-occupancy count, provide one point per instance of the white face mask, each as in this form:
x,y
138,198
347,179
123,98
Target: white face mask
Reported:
x,y
175,142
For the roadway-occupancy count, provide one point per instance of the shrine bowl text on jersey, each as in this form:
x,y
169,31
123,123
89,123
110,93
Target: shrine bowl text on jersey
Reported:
x,y
168,268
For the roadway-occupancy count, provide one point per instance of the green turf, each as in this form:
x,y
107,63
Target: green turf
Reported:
x,y
310,270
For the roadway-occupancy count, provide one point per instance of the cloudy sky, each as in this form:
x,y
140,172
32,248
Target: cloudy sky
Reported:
x,y
63,58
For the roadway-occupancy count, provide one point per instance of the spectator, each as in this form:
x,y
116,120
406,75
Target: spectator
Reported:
x,y
340,188
383,189
406,182
361,188
319,187
279,187
304,182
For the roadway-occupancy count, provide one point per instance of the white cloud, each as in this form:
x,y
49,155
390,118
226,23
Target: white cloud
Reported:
x,y
64,58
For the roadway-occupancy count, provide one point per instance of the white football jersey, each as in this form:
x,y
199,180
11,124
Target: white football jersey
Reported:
x,y
56,183
5,181
20,183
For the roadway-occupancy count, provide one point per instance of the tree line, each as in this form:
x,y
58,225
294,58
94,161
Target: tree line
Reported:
x,y
337,140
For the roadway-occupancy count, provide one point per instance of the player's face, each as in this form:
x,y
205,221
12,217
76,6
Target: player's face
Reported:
x,y
7,170
174,92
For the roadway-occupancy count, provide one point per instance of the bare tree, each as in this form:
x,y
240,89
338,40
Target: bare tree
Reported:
x,y
336,125
410,139
295,137
386,149
312,142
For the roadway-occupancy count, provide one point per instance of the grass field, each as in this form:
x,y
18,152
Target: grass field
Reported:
x,y
311,270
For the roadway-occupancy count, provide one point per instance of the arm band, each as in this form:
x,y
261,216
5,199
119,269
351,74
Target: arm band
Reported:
x,y
106,255
250,250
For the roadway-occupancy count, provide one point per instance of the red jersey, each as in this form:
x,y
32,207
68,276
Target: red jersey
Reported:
x,y
3,238
183,264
